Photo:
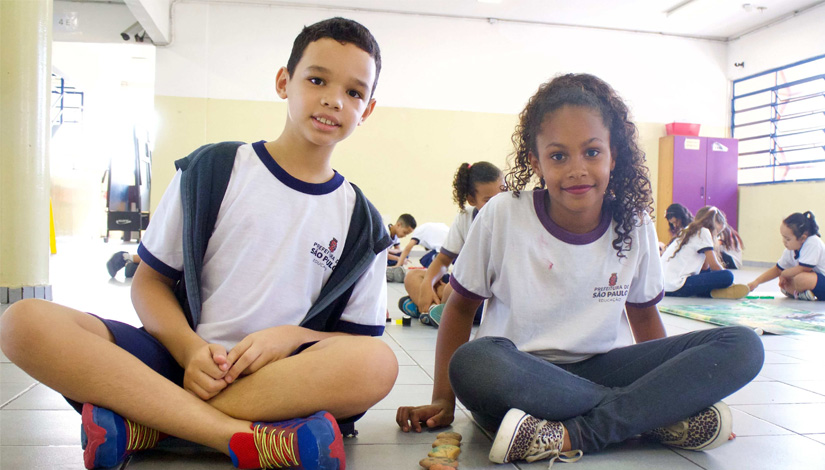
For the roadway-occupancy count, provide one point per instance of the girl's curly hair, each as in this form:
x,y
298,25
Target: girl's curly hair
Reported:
x,y
628,193
468,176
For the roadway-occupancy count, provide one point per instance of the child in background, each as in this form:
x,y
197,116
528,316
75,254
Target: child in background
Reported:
x,y
120,260
801,269
474,185
678,217
558,266
400,229
431,236
730,248
252,343
690,263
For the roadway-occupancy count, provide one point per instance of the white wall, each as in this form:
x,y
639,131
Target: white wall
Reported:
x,y
90,22
795,39
233,51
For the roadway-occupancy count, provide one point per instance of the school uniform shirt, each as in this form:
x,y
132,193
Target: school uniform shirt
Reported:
x,y
555,294
688,261
275,244
811,255
458,233
395,241
430,235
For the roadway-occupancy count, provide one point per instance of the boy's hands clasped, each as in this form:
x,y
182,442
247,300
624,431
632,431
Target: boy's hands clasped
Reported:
x,y
210,369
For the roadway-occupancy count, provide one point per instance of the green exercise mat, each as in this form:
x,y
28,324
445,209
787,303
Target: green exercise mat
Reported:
x,y
767,316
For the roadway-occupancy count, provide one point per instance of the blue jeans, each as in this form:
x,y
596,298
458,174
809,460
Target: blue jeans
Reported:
x,y
612,396
700,285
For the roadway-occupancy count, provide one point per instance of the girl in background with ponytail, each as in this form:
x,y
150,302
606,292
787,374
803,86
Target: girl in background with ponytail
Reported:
x,y
801,269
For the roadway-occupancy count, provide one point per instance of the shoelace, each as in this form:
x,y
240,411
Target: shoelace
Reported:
x,y
141,437
541,441
276,447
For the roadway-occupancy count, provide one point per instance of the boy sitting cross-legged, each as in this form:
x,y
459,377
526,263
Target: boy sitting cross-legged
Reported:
x,y
256,319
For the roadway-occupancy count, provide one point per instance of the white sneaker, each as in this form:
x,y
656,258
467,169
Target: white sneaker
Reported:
x,y
707,430
523,437
805,295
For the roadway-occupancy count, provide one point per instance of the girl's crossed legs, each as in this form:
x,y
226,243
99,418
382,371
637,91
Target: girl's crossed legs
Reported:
x,y
612,396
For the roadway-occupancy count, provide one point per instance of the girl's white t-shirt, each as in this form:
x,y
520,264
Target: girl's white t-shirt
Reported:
x,y
811,254
555,294
275,243
458,233
688,261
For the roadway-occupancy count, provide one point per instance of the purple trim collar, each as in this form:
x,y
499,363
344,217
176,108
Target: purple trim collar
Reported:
x,y
562,234
292,182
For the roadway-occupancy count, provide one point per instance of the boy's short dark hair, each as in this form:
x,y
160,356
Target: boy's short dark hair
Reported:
x,y
341,30
407,220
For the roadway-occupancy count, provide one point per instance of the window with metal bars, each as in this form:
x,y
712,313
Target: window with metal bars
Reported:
x,y
779,118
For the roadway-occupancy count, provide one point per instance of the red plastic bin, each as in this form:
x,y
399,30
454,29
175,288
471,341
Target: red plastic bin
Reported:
x,y
682,128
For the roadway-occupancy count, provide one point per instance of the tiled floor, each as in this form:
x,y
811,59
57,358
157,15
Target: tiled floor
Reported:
x,y
779,418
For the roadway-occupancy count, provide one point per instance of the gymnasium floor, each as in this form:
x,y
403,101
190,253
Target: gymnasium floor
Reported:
x,y
779,418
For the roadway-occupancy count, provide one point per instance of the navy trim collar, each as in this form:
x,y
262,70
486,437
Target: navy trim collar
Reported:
x,y
315,189
562,234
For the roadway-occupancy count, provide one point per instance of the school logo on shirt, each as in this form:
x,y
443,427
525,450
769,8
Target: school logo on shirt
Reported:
x,y
322,255
611,292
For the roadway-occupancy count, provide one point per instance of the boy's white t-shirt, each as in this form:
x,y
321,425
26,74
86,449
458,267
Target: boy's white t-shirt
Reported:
x,y
458,233
688,261
431,235
275,243
811,255
555,294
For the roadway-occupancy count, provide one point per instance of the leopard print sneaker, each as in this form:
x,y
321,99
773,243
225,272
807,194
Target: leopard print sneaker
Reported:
x,y
707,430
523,437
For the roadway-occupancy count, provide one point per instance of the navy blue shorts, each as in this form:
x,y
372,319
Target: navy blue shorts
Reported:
x,y
427,259
819,289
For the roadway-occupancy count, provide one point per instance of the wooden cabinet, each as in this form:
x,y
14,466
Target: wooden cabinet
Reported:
x,y
697,172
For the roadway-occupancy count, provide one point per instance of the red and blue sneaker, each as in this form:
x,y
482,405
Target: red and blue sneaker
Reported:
x,y
311,443
107,438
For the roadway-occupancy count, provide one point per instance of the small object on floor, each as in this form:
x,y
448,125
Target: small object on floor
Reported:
x,y
446,441
449,435
117,262
404,321
431,462
735,291
347,429
448,451
759,297
406,305
707,430
439,466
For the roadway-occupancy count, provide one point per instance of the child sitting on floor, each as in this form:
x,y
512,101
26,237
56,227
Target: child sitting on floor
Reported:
x,y
400,229
801,269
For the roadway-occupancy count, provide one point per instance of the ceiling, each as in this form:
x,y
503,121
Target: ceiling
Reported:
x,y
708,19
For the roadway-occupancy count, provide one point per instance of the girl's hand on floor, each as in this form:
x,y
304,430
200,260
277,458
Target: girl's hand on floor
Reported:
x,y
205,370
436,415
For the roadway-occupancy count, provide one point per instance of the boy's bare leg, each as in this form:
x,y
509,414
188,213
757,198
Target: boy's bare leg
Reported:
x,y
344,375
804,281
73,353
412,283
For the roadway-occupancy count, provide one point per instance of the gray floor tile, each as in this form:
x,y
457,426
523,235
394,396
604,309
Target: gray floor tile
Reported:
x,y
816,386
747,425
11,373
804,371
25,428
180,458
9,390
40,397
799,418
42,457
772,357
762,453
816,437
403,358
772,392
412,375
473,456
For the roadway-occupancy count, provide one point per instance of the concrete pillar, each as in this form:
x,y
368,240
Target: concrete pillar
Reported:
x,y
25,83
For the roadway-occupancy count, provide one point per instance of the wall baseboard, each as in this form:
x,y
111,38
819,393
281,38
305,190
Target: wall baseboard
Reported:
x,y
10,295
